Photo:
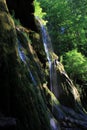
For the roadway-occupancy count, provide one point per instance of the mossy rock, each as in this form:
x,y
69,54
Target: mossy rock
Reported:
x,y
18,96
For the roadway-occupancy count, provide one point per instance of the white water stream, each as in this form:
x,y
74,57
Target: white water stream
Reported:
x,y
24,58
48,48
53,79
52,62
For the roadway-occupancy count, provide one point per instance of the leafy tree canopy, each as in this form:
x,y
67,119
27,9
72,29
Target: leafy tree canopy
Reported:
x,y
76,65
67,24
38,11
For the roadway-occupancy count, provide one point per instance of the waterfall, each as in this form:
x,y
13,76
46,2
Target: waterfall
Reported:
x,y
49,50
53,63
25,59
48,47
49,53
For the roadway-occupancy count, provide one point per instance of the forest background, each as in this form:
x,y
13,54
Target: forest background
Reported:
x,y
66,21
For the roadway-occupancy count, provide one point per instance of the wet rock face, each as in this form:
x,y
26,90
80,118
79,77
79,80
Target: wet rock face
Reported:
x,y
19,100
24,11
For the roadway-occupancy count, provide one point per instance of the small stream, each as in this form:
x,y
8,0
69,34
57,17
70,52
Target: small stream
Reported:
x,y
25,60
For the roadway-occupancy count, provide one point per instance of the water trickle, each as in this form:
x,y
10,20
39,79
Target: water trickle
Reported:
x,y
49,53
25,59
21,53
54,125
47,44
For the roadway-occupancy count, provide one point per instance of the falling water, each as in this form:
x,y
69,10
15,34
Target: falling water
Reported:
x,y
48,48
21,53
54,124
49,52
25,59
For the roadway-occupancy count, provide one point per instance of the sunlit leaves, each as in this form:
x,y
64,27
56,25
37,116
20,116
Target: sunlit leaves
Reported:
x,y
70,15
67,25
38,10
76,65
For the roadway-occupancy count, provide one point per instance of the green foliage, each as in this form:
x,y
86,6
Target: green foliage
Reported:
x,y
16,21
38,11
58,19
76,65
67,24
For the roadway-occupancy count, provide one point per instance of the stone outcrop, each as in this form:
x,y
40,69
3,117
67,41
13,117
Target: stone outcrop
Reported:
x,y
24,11
19,97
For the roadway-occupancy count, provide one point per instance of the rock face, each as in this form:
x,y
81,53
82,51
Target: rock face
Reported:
x,y
7,52
24,11
19,97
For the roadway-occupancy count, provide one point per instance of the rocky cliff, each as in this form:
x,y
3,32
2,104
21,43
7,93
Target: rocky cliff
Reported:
x,y
26,103
23,10
19,98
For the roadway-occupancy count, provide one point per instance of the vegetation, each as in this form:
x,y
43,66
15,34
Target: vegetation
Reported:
x,y
67,25
38,11
76,65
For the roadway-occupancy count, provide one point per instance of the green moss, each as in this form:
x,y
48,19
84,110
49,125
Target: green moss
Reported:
x,y
18,96
28,106
51,99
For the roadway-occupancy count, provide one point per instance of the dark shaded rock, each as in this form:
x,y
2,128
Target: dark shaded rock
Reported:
x,y
7,123
68,118
7,53
24,11
19,96
38,47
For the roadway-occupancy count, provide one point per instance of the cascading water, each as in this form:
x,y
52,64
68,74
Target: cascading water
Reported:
x,y
25,59
49,52
53,80
48,49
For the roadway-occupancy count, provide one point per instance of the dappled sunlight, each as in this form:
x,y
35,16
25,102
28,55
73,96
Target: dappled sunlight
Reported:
x,y
53,99
76,94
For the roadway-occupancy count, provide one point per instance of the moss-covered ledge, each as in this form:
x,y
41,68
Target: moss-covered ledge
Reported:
x,y
66,117
7,53
18,96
